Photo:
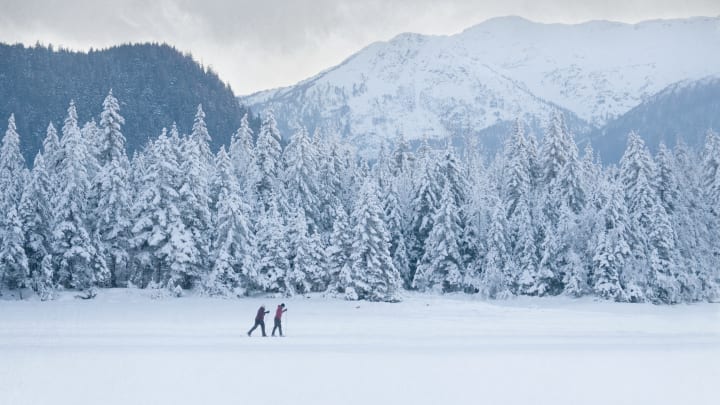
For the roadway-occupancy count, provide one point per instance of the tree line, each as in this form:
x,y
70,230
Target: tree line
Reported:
x,y
535,219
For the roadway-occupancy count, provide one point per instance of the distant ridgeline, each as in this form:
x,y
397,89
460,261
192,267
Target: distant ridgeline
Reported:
x,y
156,85
682,112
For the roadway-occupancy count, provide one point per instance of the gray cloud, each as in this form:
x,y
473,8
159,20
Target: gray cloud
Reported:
x,y
261,44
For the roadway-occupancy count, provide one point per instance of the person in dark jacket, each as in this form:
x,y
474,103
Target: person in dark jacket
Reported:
x,y
259,320
278,315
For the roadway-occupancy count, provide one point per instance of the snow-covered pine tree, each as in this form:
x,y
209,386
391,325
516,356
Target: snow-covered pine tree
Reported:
x,y
710,172
12,168
424,204
111,144
306,272
516,171
300,177
496,278
636,162
91,136
339,250
268,153
694,225
480,208
571,185
12,181
612,247
373,275
441,267
37,216
530,278
51,150
234,255
110,186
667,184
555,150
80,265
14,271
330,190
202,137
155,214
663,259
272,247
196,170
242,153
654,242
452,173
395,222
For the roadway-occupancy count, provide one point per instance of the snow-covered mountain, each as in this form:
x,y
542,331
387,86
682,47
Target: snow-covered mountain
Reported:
x,y
495,71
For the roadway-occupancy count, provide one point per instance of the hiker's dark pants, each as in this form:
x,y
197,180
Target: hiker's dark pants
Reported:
x,y
259,323
276,327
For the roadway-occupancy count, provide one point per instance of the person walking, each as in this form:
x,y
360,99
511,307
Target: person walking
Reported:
x,y
259,320
278,316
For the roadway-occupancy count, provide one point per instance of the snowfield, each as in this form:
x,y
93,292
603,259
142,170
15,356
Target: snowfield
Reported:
x,y
126,348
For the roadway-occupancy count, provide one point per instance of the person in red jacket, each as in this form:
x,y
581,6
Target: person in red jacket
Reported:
x,y
278,315
259,320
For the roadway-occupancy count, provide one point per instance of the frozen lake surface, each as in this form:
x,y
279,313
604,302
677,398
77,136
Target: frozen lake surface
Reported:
x,y
126,348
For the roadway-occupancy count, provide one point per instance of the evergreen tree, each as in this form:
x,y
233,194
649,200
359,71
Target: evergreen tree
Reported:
x,y
300,177
242,153
112,214
36,216
556,149
112,141
235,257
395,221
668,188
441,267
196,170
452,174
494,281
155,216
339,250
80,265
332,188
372,275
272,246
516,172
13,262
424,205
12,168
52,150
306,262
12,179
612,248
663,258
268,152
529,278
710,175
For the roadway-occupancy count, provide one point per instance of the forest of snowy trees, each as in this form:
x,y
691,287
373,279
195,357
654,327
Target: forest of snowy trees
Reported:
x,y
537,219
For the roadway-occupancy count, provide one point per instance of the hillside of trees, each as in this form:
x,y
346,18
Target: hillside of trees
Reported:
x,y
157,84
538,219
681,112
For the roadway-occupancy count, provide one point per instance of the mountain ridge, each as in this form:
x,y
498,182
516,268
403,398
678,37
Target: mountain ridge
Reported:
x,y
444,85
155,84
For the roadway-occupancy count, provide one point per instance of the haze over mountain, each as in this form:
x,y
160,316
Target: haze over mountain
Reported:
x,y
439,86
683,111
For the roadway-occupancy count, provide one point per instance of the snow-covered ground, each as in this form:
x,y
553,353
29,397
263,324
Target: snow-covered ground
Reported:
x,y
125,348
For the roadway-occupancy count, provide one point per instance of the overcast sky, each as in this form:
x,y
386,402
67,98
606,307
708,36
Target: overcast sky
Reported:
x,y
260,44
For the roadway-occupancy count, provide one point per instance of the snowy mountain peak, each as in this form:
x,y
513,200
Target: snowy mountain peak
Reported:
x,y
495,71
